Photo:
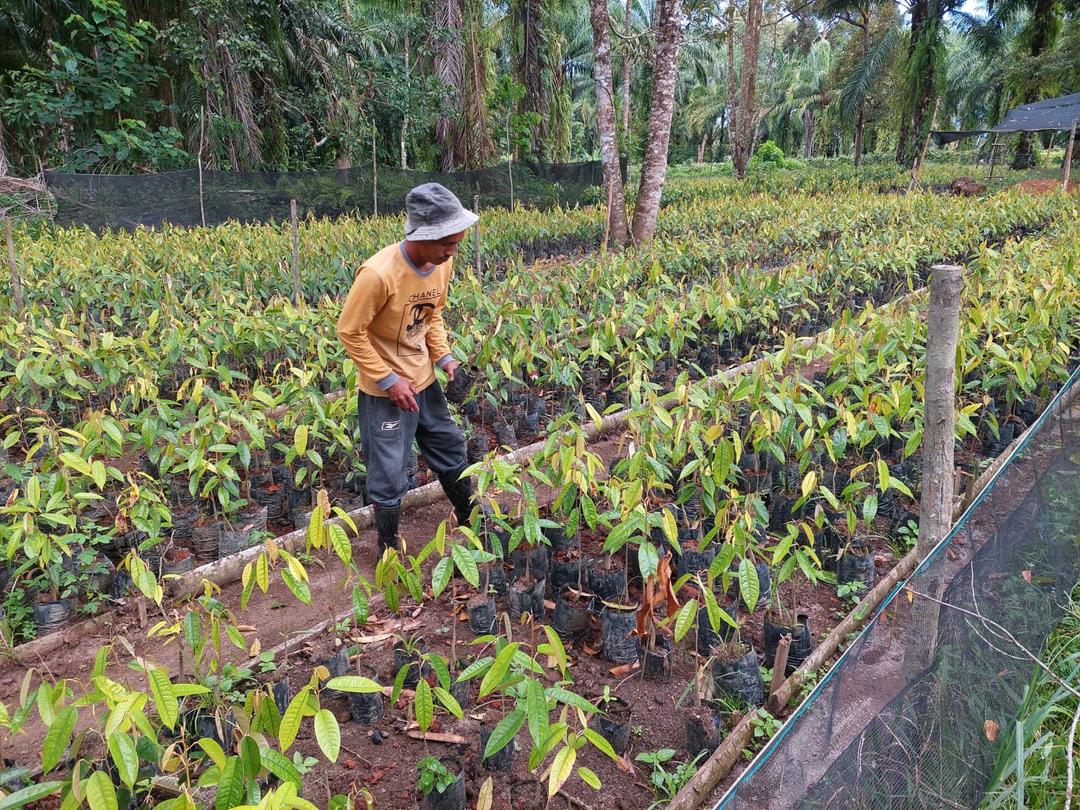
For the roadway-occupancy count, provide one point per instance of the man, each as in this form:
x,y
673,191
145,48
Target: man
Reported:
x,y
392,327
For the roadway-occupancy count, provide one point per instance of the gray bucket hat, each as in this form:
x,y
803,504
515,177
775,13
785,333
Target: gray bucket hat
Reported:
x,y
434,212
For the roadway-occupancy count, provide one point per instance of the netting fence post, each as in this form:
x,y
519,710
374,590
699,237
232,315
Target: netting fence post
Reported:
x,y
298,292
1068,159
16,281
939,442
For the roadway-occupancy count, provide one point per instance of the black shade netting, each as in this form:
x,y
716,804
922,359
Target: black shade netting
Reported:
x,y
883,729
128,201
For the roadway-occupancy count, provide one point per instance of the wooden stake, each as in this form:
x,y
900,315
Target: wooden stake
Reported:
x,y
298,293
476,235
16,281
1067,170
780,663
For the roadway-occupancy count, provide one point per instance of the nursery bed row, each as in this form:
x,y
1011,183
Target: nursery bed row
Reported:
x,y
1013,313
272,494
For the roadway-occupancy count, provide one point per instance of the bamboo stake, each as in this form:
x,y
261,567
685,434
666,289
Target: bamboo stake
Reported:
x,y
298,293
16,281
1067,170
374,173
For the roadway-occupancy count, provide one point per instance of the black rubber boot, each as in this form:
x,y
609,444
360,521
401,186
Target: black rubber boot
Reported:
x,y
386,523
459,492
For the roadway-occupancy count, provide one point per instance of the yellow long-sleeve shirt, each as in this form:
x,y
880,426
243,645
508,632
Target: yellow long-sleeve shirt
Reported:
x,y
391,324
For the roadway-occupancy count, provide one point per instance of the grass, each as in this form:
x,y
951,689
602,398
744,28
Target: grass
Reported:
x,y
1045,718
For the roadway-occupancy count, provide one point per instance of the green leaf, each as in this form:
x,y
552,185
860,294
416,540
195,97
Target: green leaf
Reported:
x,y
648,559
442,672
339,541
33,793
57,738
125,757
684,619
100,793
294,714
214,751
280,766
589,778
164,698
357,684
300,439
869,507
440,576
298,587
328,734
76,462
249,756
477,667
465,563
600,743
450,702
497,674
562,767
536,710
504,732
230,787
749,587
424,706
572,699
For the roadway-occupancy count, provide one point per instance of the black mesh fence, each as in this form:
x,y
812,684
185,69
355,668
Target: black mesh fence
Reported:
x,y
881,730
182,198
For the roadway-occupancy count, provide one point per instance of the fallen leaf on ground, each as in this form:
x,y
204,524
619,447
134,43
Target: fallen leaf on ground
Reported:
x,y
452,739
990,728
623,669
1026,575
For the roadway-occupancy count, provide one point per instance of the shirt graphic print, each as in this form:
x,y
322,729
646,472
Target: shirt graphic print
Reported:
x,y
415,319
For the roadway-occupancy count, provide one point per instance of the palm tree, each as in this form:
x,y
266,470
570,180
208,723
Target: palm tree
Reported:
x,y
808,91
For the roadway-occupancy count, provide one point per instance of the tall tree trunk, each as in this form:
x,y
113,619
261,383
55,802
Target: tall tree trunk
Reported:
x,y
605,121
808,125
626,76
476,146
661,109
701,148
732,95
921,68
741,144
405,115
860,117
529,67
448,68
1042,22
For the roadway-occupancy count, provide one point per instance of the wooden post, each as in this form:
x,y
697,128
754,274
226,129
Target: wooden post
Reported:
x,y
374,174
939,441
1067,169
298,292
780,664
16,281
476,235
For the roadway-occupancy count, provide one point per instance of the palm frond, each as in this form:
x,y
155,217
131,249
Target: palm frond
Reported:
x,y
868,70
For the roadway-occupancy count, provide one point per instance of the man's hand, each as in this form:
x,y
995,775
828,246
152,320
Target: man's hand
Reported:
x,y
403,394
451,368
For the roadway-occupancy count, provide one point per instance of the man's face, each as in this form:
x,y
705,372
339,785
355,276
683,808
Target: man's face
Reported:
x,y
437,251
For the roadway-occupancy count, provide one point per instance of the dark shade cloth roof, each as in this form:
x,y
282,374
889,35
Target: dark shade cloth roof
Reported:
x,y
1053,114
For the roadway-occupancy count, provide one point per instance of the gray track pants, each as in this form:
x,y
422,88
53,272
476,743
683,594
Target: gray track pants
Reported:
x,y
387,433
